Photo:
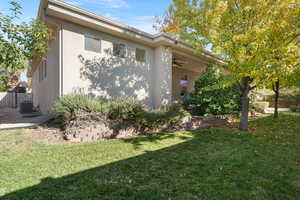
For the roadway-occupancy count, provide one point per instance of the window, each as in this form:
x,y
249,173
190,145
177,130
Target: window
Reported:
x,y
119,50
140,55
92,44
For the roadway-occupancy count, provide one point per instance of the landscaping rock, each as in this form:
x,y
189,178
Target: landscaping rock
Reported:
x,y
91,126
86,126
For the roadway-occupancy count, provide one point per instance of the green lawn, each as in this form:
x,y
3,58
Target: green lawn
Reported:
x,y
218,163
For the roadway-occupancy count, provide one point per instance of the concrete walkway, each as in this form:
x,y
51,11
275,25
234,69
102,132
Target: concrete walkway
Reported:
x,y
12,119
271,110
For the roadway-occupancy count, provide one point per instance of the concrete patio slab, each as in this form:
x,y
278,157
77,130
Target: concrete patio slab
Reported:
x,y
11,118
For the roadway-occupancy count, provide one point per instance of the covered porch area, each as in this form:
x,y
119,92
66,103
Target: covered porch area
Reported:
x,y
186,69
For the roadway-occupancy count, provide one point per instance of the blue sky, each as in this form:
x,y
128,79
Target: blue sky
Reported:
x,y
136,13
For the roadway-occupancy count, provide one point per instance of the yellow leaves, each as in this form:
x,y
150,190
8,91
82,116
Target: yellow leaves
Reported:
x,y
252,34
221,6
247,8
174,27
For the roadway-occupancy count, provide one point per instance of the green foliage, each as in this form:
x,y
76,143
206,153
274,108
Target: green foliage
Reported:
x,y
295,108
123,108
3,82
257,39
208,98
20,42
66,105
169,117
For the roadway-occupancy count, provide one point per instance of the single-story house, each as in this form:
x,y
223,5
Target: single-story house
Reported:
x,y
93,55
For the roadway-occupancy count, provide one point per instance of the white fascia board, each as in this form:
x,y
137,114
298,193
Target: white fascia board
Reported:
x,y
66,11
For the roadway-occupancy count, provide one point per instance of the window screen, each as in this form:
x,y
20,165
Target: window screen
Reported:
x,y
140,55
92,44
119,50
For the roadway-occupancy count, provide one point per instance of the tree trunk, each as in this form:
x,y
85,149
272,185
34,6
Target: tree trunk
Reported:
x,y
245,89
276,101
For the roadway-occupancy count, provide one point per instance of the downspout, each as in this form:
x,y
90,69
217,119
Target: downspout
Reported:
x,y
60,90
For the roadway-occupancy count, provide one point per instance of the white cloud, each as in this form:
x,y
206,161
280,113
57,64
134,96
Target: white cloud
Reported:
x,y
102,3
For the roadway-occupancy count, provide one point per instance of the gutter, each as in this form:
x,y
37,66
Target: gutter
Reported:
x,y
58,6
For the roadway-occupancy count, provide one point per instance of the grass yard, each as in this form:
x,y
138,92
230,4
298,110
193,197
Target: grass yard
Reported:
x,y
212,164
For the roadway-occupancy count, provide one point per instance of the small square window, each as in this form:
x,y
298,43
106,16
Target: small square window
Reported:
x,y
119,50
92,44
140,55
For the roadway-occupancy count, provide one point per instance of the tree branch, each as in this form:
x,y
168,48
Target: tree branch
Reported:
x,y
253,87
293,38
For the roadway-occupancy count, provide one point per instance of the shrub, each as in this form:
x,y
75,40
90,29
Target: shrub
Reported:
x,y
210,99
65,106
295,108
170,116
124,109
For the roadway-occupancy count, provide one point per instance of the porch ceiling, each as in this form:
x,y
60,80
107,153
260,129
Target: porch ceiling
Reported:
x,y
188,63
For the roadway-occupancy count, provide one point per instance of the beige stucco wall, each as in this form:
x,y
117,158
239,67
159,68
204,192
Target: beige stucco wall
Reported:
x,y
100,74
45,92
107,76
162,76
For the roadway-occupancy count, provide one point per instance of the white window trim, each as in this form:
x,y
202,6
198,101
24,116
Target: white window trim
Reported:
x,y
94,37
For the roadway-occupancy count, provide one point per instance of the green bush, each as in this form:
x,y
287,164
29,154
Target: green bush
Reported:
x,y
295,108
65,106
170,116
123,109
210,99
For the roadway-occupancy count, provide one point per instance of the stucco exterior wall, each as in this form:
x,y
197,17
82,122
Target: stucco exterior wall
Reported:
x,y
162,76
107,76
46,91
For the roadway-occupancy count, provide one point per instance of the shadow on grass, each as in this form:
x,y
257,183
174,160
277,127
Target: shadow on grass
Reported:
x,y
211,164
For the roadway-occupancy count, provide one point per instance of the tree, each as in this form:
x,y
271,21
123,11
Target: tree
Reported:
x,y
20,42
237,31
281,53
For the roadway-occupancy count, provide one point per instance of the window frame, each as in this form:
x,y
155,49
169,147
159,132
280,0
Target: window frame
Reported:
x,y
89,36
144,55
117,52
